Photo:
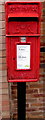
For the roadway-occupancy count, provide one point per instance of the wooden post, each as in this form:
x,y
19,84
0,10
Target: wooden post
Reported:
x,y
21,87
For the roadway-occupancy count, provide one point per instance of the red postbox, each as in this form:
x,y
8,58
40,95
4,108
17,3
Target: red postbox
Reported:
x,y
23,41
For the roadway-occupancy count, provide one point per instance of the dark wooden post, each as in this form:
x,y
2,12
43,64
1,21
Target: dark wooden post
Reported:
x,y
21,87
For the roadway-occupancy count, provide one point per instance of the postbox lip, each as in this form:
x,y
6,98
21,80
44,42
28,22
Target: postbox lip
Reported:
x,y
23,80
22,15
8,2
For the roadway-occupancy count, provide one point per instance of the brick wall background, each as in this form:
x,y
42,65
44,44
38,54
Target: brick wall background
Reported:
x,y
35,91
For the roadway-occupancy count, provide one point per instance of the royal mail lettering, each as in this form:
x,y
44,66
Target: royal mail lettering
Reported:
x,y
24,8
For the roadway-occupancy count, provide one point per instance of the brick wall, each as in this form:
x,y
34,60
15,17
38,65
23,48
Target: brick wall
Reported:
x,y
35,92
4,90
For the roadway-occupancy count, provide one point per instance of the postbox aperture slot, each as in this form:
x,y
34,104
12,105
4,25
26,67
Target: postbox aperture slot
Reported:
x,y
23,19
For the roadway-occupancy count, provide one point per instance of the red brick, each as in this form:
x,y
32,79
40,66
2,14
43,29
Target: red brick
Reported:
x,y
31,91
4,60
39,95
36,104
2,8
5,103
1,2
2,39
15,116
0,16
0,85
36,86
2,47
3,31
5,85
5,114
4,53
3,16
0,99
5,97
2,25
0,67
14,91
5,91
4,79
5,108
4,67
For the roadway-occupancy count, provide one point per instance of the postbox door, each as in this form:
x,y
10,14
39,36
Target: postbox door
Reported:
x,y
25,67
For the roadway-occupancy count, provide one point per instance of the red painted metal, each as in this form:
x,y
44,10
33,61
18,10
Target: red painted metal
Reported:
x,y
23,20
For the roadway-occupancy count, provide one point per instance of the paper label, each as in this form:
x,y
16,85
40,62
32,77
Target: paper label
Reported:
x,y
23,56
